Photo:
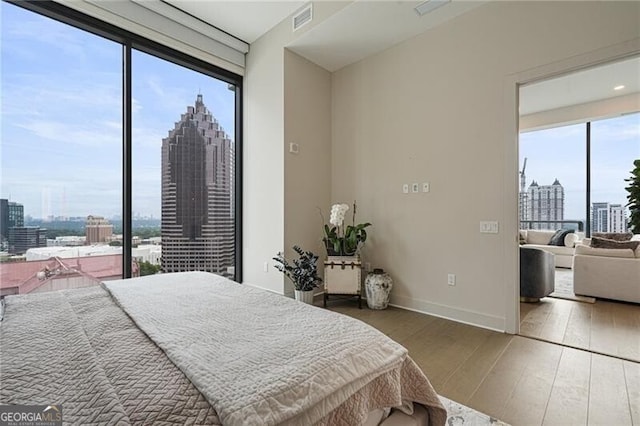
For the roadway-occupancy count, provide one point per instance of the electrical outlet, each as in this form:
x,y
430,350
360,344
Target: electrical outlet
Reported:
x,y
451,279
415,188
425,187
405,188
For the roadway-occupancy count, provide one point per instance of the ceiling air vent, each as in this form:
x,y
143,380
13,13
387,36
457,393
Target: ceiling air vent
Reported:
x,y
303,17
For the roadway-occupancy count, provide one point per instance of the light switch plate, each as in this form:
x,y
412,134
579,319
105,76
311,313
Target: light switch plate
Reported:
x,y
489,227
405,188
415,188
425,187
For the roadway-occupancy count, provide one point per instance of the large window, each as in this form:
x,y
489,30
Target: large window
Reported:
x,y
120,157
183,166
615,143
560,192
552,181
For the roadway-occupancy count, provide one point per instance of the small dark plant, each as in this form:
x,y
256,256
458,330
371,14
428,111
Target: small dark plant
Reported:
x,y
303,273
634,198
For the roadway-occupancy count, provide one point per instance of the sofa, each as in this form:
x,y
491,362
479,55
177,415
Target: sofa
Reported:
x,y
541,239
537,274
607,273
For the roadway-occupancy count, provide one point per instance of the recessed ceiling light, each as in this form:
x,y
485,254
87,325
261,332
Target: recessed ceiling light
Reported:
x,y
619,87
429,6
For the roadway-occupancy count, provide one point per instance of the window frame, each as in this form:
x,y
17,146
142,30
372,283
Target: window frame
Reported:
x,y
129,42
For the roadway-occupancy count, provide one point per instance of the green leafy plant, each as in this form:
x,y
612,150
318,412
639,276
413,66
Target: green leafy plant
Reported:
x,y
634,197
302,272
340,240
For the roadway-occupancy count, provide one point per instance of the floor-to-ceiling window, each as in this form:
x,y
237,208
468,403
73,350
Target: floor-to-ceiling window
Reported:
x,y
119,156
557,178
615,144
183,167
552,182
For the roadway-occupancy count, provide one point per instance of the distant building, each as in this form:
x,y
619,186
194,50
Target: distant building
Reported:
x,y
60,274
66,241
607,217
43,253
23,238
11,216
546,204
98,230
197,181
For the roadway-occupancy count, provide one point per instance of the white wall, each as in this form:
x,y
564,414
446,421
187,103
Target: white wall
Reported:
x,y
432,109
264,142
307,174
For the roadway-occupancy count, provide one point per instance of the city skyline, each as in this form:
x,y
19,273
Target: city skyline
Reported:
x,y
560,153
61,118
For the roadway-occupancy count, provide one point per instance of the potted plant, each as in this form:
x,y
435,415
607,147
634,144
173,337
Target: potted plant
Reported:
x,y
634,197
302,272
340,240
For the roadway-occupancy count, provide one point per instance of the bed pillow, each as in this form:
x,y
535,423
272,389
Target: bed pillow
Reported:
x,y
612,244
558,237
616,236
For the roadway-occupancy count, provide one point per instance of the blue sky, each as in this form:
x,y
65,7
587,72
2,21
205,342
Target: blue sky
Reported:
x,y
62,117
560,153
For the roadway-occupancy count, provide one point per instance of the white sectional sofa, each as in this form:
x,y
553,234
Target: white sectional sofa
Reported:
x,y
607,273
541,238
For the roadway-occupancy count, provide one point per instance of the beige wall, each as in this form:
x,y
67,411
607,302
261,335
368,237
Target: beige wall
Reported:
x,y
264,149
307,175
432,109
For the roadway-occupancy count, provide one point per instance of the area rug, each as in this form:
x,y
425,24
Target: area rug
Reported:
x,y
564,287
458,414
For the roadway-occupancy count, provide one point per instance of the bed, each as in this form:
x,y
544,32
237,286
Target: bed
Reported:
x,y
196,348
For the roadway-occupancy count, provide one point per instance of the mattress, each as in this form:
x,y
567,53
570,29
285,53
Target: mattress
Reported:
x,y
79,348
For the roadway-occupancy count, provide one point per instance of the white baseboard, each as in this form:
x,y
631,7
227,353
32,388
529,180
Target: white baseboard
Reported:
x,y
477,319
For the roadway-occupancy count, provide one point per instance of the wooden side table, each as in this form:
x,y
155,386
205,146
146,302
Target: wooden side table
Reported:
x,y
343,276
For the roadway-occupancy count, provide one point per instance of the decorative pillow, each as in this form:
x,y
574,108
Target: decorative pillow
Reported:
x,y
558,237
616,236
612,244
522,236
571,239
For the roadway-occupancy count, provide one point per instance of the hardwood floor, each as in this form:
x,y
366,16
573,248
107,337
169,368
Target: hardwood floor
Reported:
x,y
605,327
519,380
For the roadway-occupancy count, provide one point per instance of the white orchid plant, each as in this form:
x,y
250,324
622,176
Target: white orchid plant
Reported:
x,y
343,240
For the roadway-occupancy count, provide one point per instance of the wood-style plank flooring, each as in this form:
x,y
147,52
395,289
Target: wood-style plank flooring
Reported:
x,y
519,380
606,327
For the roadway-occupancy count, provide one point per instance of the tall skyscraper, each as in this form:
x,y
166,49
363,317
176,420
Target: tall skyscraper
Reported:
x,y
607,217
546,204
97,230
197,191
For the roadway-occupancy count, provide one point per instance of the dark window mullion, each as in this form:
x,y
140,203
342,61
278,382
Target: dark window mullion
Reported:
x,y
588,195
126,161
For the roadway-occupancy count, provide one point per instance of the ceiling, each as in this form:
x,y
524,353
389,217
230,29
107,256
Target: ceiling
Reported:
x,y
581,87
246,20
351,34
364,27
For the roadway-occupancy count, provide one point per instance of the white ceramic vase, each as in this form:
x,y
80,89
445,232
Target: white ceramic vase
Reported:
x,y
378,285
304,296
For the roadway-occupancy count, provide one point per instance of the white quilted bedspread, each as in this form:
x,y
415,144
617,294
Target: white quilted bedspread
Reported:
x,y
258,357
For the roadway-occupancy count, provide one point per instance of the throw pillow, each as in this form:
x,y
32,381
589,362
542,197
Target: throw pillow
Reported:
x,y
613,244
616,236
558,237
